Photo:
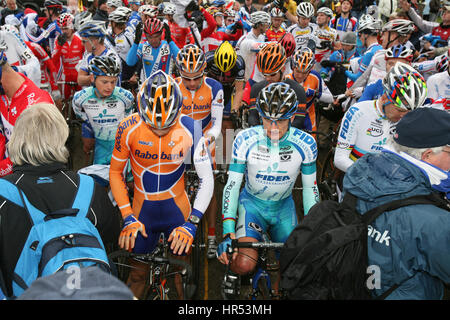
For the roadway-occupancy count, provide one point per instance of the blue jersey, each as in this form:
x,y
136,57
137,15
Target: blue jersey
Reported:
x,y
153,59
373,91
364,61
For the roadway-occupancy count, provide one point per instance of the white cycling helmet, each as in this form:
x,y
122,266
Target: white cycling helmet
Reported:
x,y
401,26
367,23
169,8
120,15
405,87
260,17
276,13
114,3
149,10
81,18
305,9
326,11
399,51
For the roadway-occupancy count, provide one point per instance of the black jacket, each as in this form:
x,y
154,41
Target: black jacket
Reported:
x,y
57,192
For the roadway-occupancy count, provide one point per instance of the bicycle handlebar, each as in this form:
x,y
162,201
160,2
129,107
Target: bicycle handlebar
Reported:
x,y
149,257
256,245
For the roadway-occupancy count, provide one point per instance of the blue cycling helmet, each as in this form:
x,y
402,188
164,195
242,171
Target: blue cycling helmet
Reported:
x,y
277,101
399,51
218,3
94,29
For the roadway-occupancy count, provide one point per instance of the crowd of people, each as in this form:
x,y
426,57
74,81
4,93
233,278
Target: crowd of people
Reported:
x,y
158,87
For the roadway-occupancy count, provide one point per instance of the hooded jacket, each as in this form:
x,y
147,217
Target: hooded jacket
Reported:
x,y
410,245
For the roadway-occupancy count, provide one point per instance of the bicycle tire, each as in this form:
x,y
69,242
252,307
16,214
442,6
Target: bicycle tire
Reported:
x,y
196,261
327,178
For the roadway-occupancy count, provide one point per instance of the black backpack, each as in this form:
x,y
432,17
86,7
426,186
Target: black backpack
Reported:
x,y
325,256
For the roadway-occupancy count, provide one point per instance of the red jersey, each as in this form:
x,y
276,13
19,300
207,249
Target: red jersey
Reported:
x,y
215,39
441,31
27,95
181,36
67,56
275,35
48,69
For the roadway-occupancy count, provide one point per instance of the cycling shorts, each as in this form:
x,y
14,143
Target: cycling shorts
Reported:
x,y
161,216
257,217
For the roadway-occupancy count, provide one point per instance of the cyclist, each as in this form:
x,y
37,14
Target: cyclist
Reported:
x,y
304,30
228,68
276,30
271,156
393,33
112,5
181,36
93,36
17,93
202,101
315,88
157,141
327,36
51,31
439,86
366,125
398,53
343,21
101,107
69,50
250,43
20,57
368,30
123,35
211,41
271,61
155,53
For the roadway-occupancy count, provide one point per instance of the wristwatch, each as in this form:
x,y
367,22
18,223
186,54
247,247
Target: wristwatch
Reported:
x,y
194,219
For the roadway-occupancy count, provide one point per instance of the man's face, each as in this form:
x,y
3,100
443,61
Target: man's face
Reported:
x,y
248,2
11,4
322,19
347,47
387,39
345,6
303,22
67,32
274,77
229,20
89,43
105,85
440,160
192,81
276,22
300,76
393,113
275,130
169,17
392,62
446,17
110,9
154,40
219,20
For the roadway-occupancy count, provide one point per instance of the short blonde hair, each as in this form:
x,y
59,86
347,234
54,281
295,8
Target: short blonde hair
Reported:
x,y
39,136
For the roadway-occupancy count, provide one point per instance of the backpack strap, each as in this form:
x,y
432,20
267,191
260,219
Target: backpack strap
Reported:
x,y
432,198
84,196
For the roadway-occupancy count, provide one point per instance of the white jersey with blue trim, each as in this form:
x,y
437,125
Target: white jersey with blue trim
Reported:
x,y
270,169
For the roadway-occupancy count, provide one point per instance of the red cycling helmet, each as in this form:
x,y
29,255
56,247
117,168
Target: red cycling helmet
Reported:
x,y
152,25
288,42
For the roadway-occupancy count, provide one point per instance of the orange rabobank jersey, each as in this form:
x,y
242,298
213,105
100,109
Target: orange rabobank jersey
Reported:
x,y
157,162
200,105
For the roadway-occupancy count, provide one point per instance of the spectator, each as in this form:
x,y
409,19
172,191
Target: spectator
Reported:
x,y
101,13
409,244
11,8
37,150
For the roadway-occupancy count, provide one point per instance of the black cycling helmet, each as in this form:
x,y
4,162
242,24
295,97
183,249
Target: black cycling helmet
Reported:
x,y
104,66
277,101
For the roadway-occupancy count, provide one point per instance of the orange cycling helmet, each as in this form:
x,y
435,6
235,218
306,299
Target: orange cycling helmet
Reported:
x,y
159,100
271,58
303,60
191,59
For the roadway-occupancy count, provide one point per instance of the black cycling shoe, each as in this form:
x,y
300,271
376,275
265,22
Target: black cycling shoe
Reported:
x,y
230,287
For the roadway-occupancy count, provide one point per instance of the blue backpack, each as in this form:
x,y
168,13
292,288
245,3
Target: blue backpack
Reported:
x,y
56,240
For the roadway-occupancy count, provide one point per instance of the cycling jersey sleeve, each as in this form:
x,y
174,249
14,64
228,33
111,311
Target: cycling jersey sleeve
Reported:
x,y
346,139
203,167
216,108
134,54
370,92
310,192
119,160
206,32
77,105
230,197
